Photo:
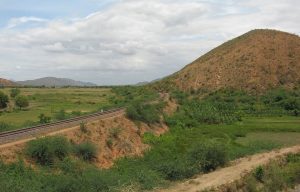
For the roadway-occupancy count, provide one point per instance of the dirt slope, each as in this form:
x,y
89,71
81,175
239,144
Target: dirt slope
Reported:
x,y
6,83
256,61
229,174
115,137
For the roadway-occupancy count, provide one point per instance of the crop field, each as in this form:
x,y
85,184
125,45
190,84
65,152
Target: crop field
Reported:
x,y
51,101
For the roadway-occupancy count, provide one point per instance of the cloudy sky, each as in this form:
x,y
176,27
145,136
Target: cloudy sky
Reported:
x,y
125,41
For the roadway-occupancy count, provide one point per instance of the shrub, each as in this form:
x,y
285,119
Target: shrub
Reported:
x,y
83,127
259,173
115,132
44,119
3,100
22,101
87,151
61,115
208,156
148,113
109,143
15,92
46,150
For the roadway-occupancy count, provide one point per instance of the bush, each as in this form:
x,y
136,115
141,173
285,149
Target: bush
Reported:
x,y
87,151
44,119
148,113
15,92
3,100
46,150
22,101
115,132
259,173
61,115
83,127
208,155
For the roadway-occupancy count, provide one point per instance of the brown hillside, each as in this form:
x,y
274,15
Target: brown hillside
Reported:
x,y
6,83
256,61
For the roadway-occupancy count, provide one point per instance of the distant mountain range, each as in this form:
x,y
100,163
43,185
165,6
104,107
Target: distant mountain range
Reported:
x,y
53,81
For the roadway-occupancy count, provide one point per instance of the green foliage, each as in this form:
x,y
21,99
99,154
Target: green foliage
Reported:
x,y
46,150
109,143
44,119
148,113
61,115
208,156
5,127
3,100
87,151
180,96
259,173
129,94
15,92
21,101
277,176
286,99
194,112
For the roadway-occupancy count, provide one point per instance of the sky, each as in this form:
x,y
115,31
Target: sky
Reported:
x,y
116,42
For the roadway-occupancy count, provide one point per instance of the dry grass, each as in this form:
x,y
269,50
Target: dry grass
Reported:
x,y
127,142
258,60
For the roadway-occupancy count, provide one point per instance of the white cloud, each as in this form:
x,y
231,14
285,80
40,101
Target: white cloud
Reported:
x,y
136,40
58,46
14,22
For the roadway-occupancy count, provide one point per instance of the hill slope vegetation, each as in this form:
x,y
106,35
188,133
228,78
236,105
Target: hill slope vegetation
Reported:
x,y
256,61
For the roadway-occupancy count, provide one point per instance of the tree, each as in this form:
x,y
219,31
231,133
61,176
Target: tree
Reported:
x,y
15,92
3,100
22,101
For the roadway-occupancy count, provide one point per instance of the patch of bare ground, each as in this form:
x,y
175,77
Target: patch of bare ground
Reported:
x,y
114,137
225,176
171,105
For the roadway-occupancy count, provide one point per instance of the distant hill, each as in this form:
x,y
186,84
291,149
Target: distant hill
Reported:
x,y
53,81
256,61
147,82
6,83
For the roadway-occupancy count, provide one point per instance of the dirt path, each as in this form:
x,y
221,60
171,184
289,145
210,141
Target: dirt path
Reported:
x,y
229,174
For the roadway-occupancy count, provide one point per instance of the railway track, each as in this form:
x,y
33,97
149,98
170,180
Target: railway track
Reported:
x,y
9,136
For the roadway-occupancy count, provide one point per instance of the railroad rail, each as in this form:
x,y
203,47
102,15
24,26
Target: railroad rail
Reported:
x,y
9,136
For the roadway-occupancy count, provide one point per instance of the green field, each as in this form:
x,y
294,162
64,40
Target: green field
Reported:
x,y
50,101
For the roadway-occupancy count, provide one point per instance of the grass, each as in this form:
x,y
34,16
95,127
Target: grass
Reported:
x,y
203,135
278,175
51,101
280,138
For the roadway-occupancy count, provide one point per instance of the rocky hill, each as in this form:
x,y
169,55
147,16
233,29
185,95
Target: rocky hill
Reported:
x,y
6,83
256,61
